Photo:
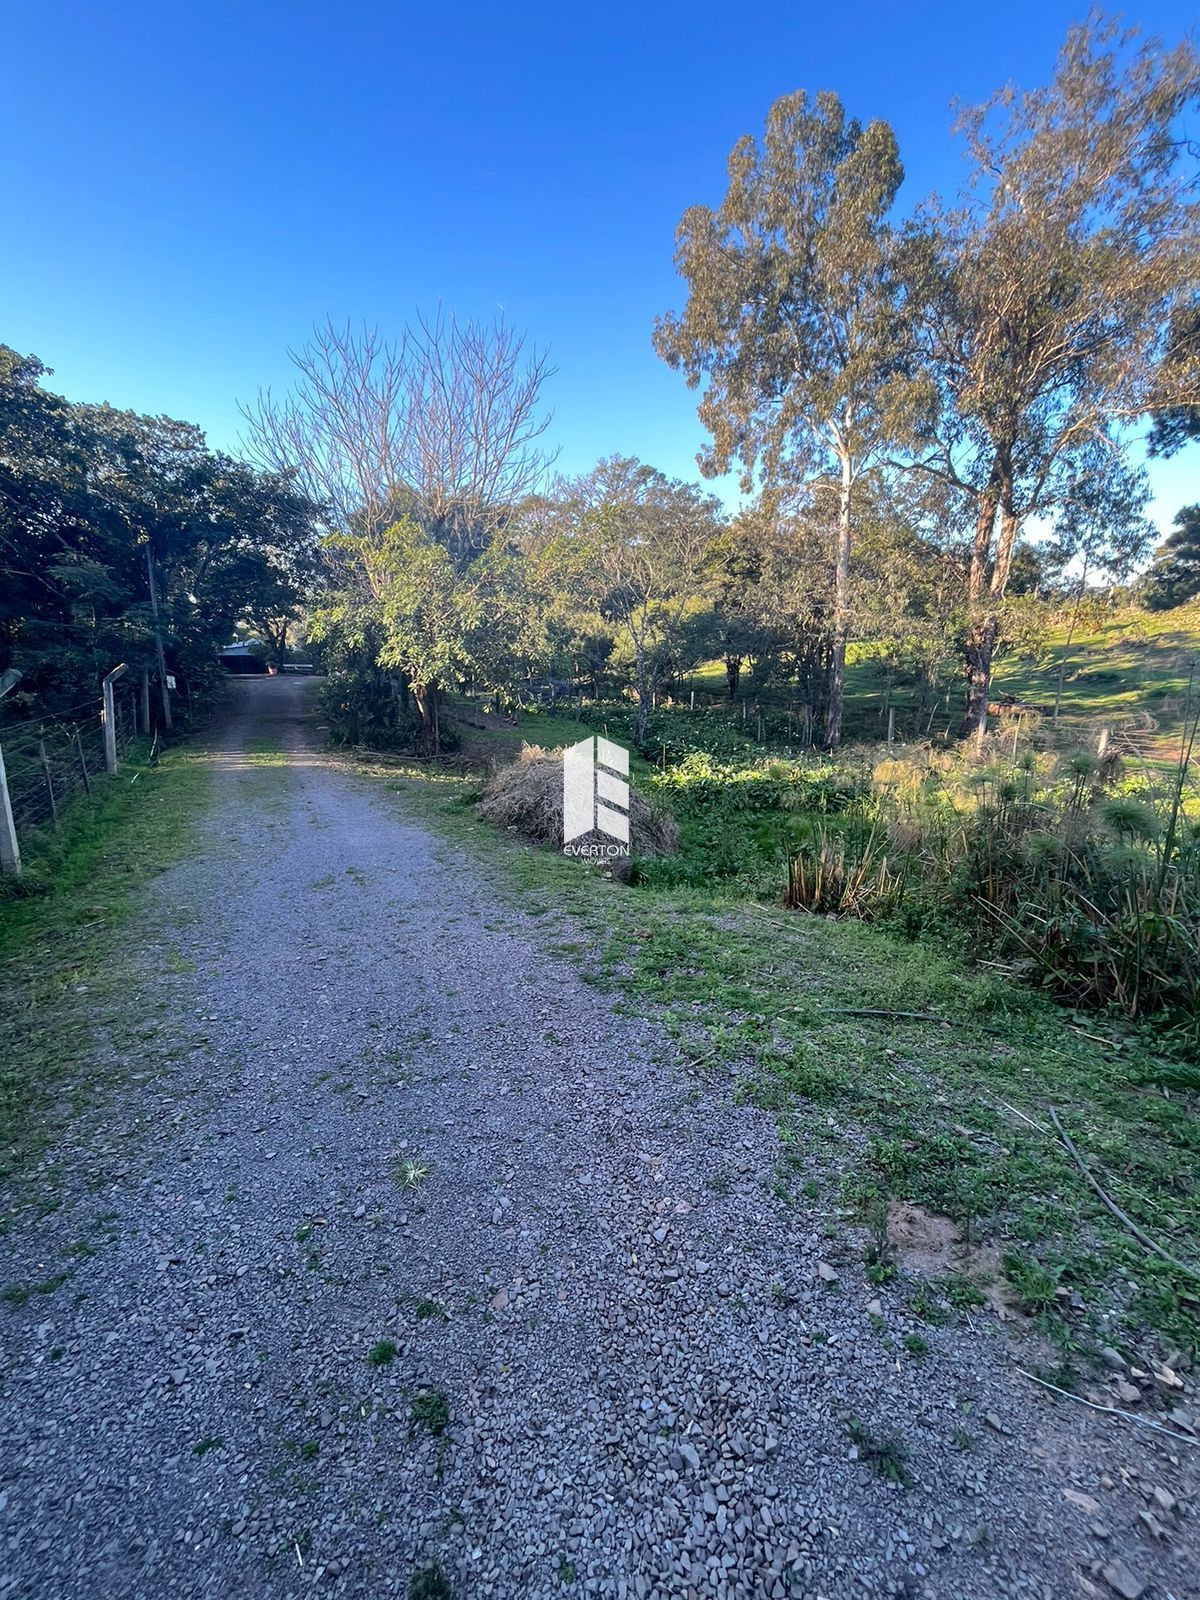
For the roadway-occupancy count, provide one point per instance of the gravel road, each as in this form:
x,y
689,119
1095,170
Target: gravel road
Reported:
x,y
421,1254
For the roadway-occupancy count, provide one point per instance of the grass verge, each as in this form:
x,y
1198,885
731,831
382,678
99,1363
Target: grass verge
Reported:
x,y
66,971
948,1108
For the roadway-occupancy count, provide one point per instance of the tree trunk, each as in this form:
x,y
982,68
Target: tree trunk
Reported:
x,y
426,696
645,694
841,600
979,650
984,629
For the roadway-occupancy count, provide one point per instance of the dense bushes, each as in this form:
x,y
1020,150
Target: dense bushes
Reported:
x,y
1074,875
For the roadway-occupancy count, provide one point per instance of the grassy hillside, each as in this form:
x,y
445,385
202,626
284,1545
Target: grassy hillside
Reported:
x,y
1129,674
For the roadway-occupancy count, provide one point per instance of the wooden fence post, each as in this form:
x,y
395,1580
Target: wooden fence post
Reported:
x,y
10,850
49,777
83,766
145,699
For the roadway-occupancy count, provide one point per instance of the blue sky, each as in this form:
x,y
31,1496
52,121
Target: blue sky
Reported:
x,y
188,187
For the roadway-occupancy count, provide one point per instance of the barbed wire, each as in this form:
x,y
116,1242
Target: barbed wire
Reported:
x,y
91,704
50,762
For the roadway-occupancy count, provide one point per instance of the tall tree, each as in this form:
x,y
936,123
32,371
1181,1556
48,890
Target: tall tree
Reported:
x,y
1048,295
443,426
88,497
1174,577
795,319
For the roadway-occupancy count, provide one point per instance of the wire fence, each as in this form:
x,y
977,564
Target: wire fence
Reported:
x,y
48,766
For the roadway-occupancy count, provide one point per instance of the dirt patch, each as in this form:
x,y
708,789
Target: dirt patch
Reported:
x,y
931,1246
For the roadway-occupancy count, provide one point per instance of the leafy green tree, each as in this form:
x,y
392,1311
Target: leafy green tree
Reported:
x,y
644,539
423,617
795,318
1048,295
1174,577
90,499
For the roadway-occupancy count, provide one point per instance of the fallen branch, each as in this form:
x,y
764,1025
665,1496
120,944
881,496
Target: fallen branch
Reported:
x,y
1138,1233
897,1016
908,1016
1036,1126
1112,1411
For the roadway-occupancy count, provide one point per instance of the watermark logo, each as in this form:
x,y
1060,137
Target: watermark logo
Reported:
x,y
595,798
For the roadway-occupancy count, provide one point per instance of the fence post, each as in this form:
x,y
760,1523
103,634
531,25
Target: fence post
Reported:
x,y
891,724
10,851
109,717
83,767
145,699
49,776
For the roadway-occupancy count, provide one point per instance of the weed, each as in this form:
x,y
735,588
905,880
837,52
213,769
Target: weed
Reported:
x,y
915,1345
380,1354
429,1583
429,1311
1035,1287
886,1454
411,1174
20,1294
925,1305
203,1446
961,1291
430,1410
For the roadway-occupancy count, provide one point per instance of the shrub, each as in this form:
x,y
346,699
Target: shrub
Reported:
x,y
526,796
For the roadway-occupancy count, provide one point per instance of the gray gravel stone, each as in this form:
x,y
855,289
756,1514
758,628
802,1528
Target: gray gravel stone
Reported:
x,y
217,1401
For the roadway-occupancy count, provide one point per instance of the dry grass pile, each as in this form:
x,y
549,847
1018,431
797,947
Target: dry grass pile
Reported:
x,y
526,797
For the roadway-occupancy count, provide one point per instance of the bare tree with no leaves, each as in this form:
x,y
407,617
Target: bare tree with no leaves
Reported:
x,y
444,425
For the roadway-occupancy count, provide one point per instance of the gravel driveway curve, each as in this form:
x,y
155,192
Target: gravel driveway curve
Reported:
x,y
424,1265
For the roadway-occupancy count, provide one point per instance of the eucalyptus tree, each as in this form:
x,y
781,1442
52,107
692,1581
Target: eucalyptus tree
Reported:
x,y
795,318
1048,295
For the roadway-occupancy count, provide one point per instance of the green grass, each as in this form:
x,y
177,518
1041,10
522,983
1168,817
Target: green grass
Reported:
x,y
760,999
1133,664
66,972
1129,668
886,1454
430,1411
